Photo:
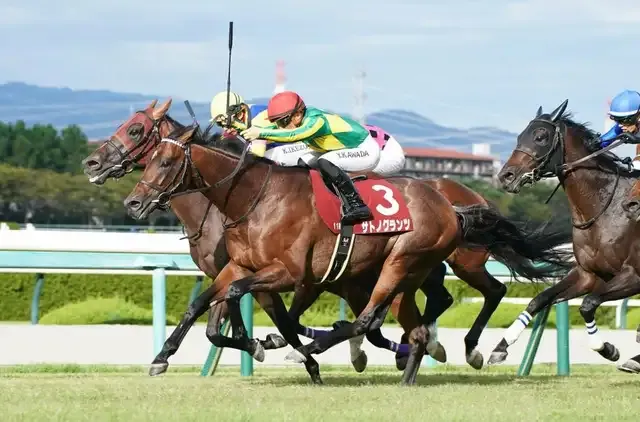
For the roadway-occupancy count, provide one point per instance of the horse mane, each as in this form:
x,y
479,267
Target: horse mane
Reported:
x,y
211,138
591,139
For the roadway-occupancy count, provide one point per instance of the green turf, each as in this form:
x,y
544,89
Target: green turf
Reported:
x,y
447,393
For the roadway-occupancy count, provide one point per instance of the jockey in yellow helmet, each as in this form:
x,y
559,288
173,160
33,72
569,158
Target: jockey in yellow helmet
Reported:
x,y
241,113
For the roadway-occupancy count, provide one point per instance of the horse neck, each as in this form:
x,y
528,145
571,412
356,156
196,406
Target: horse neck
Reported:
x,y
585,186
191,210
214,165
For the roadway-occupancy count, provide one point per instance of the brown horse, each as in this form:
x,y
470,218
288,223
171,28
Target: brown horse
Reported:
x,y
210,253
605,241
278,241
135,140
632,208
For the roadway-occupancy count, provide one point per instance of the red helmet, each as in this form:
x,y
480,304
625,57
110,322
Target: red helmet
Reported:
x,y
284,105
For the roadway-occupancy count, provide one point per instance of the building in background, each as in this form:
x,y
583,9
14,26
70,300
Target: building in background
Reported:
x,y
435,162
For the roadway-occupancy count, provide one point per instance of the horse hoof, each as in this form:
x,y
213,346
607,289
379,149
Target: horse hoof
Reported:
x,y
258,354
475,359
610,352
401,362
277,341
638,337
437,351
630,367
296,357
158,369
360,363
497,357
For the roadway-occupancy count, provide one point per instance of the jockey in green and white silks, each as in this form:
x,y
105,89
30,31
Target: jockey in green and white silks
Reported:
x,y
336,145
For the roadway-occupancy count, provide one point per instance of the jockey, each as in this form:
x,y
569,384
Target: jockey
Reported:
x,y
241,113
625,112
244,116
391,154
337,145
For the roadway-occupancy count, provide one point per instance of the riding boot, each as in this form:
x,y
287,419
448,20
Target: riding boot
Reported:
x,y
355,210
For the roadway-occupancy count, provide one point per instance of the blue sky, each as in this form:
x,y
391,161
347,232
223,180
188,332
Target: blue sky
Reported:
x,y
461,63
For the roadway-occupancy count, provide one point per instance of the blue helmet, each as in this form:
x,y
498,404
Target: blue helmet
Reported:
x,y
625,104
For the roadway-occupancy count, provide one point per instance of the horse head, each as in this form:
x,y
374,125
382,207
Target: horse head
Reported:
x,y
537,153
132,142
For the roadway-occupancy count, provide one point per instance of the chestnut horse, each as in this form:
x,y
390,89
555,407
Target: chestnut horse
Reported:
x,y
605,241
134,141
271,205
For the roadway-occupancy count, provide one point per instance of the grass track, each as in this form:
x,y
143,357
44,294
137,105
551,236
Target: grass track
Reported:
x,y
447,393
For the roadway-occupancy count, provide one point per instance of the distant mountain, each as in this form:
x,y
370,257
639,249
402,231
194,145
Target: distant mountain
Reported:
x,y
99,112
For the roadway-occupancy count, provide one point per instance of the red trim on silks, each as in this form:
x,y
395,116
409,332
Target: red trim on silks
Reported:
x,y
388,206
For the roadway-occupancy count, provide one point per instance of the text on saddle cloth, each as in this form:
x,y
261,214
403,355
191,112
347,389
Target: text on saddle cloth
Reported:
x,y
388,206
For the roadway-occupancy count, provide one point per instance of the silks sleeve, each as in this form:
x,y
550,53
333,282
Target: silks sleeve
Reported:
x,y
610,135
310,127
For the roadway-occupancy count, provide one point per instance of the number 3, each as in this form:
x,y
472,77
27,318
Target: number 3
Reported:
x,y
388,196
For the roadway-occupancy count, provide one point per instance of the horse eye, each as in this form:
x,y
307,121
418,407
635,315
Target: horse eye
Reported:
x,y
165,163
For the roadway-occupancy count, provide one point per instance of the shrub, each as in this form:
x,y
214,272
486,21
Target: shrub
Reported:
x,y
101,311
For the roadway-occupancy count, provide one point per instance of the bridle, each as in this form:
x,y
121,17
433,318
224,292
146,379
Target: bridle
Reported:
x,y
170,191
149,140
541,169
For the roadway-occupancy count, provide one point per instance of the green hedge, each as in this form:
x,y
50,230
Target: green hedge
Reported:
x,y
101,311
60,289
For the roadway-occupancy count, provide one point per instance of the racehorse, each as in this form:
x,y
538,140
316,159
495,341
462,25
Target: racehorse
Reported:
x,y
278,241
136,140
143,131
605,242
631,207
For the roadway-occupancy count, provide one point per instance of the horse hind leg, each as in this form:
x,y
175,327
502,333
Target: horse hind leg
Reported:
x,y
438,300
493,291
625,284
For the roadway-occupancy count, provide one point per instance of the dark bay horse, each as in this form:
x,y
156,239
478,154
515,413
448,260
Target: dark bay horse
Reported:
x,y
605,241
631,206
134,141
278,242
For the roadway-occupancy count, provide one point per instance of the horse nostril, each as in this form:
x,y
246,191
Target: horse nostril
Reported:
x,y
631,206
92,164
133,204
508,176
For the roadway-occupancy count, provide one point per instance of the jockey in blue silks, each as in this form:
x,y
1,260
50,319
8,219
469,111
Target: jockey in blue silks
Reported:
x,y
625,112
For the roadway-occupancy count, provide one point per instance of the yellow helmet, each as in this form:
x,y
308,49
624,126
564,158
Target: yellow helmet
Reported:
x,y
219,104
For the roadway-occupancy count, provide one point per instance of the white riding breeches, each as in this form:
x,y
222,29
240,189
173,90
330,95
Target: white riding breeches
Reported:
x,y
364,157
391,158
287,155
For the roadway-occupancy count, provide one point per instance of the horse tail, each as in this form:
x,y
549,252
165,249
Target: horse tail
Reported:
x,y
529,253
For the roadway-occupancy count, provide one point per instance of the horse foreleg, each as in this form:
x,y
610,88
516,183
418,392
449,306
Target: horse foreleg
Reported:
x,y
576,283
196,309
272,279
626,283
493,291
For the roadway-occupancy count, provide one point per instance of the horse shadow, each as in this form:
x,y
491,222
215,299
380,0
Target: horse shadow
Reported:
x,y
423,380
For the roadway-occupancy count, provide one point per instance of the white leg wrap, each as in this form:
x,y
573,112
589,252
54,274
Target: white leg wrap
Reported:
x,y
595,342
518,326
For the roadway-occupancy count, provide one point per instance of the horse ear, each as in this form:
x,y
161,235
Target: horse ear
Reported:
x,y
153,104
187,135
539,112
555,114
160,112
